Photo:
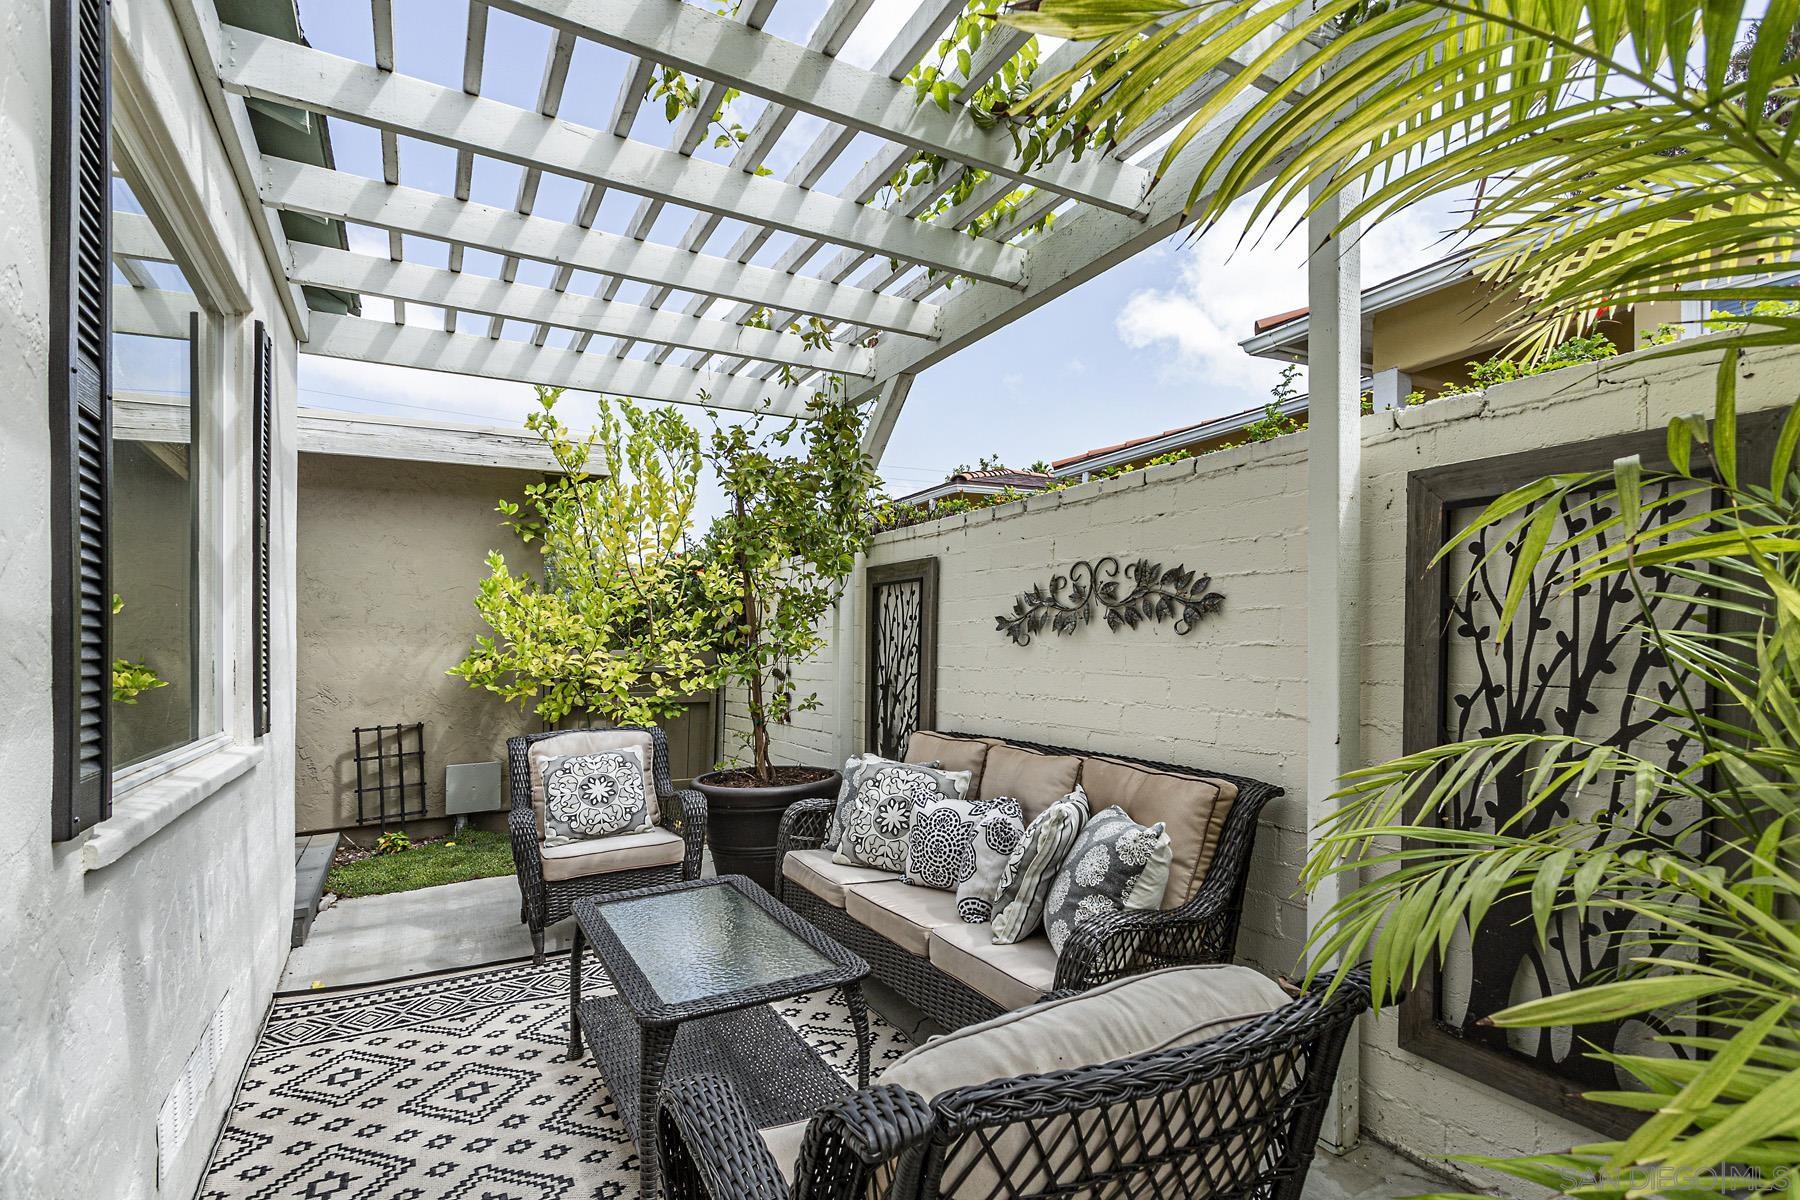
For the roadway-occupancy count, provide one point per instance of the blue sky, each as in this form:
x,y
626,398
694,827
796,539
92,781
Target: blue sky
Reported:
x,y
1147,346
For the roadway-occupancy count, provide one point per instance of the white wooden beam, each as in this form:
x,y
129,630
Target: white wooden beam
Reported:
x,y
884,416
152,312
1334,601
135,237
362,340
322,266
272,69
716,47
338,194
198,21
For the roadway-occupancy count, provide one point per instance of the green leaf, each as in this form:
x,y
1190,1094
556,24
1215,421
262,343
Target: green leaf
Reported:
x,y
1725,418
1611,1001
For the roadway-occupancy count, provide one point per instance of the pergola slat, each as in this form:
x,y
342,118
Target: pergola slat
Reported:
x,y
135,237
362,340
715,47
152,312
321,266
335,194
272,69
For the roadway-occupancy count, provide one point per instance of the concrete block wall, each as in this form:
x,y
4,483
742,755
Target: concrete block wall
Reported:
x,y
1232,693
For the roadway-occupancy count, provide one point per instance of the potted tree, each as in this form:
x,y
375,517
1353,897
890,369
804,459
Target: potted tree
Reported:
x,y
616,626
799,508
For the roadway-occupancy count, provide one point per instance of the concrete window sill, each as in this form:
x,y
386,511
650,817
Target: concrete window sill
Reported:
x,y
139,814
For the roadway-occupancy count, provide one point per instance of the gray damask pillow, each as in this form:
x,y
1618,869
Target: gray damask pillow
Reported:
x,y
1030,872
594,795
940,847
997,834
876,817
1115,864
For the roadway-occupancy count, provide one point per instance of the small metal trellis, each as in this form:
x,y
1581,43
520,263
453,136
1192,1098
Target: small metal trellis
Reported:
x,y
1156,594
390,773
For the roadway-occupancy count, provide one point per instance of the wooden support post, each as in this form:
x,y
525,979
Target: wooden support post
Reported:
x,y
1333,568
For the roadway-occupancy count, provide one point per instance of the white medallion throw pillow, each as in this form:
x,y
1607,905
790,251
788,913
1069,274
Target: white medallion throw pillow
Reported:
x,y
997,834
878,814
594,795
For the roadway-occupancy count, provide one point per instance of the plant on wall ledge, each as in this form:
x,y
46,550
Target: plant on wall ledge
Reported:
x,y
800,502
614,625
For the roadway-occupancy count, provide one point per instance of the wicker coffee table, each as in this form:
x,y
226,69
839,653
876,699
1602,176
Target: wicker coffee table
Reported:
x,y
696,965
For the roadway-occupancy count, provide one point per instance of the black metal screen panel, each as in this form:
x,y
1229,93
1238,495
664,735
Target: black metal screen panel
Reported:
x,y
902,653
390,773
1574,663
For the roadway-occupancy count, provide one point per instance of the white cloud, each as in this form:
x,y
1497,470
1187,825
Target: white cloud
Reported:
x,y
1224,282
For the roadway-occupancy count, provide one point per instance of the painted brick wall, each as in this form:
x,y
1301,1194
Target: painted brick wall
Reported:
x,y
1232,694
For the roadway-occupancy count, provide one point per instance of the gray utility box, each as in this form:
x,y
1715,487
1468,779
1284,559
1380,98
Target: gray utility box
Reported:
x,y
472,788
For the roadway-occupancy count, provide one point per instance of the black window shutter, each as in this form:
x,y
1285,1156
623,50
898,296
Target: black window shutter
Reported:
x,y
264,434
80,413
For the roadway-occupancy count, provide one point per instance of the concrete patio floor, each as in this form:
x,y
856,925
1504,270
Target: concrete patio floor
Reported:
x,y
468,924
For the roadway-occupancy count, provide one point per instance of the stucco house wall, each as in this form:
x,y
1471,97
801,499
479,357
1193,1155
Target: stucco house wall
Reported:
x,y
390,556
1232,694
110,975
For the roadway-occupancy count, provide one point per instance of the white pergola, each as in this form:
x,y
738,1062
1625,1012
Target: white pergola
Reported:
x,y
900,286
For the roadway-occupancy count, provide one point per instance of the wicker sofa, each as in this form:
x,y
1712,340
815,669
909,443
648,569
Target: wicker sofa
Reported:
x,y
952,971
1167,1104
552,879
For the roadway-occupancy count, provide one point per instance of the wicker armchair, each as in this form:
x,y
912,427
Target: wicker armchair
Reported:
x,y
544,902
1236,1116
1100,949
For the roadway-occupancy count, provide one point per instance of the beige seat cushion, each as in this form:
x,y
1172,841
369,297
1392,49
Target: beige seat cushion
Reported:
x,y
1192,809
784,1142
590,741
604,856
903,914
1035,780
1012,976
950,754
814,871
1173,1007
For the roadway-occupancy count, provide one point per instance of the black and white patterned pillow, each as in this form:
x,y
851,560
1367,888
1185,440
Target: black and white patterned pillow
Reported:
x,y
876,816
1031,870
998,833
940,847
594,795
1115,864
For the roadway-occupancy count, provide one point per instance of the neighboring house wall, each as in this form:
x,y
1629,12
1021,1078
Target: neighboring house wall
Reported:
x,y
112,974
391,556
1232,694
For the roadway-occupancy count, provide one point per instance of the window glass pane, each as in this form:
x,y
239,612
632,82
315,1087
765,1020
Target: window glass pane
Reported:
x,y
155,495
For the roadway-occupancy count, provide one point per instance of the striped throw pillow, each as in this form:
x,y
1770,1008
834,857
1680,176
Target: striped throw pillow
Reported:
x,y
1030,873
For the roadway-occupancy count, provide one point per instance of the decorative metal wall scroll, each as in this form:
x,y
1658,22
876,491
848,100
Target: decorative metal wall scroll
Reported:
x,y
1155,594
903,601
1573,664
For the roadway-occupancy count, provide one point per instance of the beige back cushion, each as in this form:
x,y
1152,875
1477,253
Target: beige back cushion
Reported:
x,y
1035,780
1173,1007
1193,810
590,741
950,754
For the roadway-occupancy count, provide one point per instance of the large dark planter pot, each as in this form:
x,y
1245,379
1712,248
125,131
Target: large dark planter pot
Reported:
x,y
742,822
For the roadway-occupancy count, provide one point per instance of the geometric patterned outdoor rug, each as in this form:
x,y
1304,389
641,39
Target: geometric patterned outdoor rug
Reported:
x,y
453,1088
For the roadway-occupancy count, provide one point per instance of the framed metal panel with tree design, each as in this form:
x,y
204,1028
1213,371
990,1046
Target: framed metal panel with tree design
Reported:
x,y
902,687
1572,664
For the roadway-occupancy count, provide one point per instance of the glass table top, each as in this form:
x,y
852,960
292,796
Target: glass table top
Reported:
x,y
699,943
